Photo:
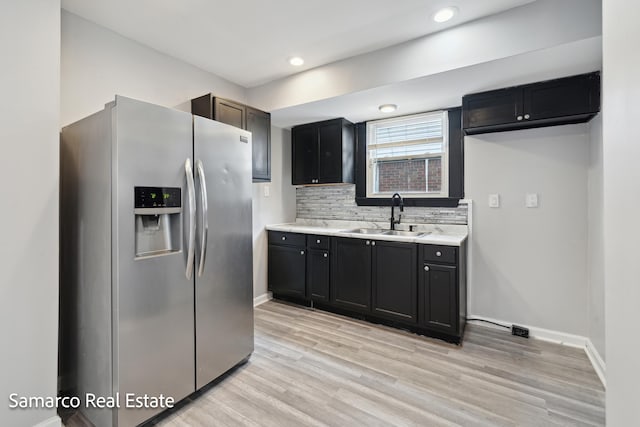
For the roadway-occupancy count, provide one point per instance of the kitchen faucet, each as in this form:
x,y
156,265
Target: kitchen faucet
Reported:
x,y
393,203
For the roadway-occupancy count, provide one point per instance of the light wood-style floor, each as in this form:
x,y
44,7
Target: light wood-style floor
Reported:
x,y
312,368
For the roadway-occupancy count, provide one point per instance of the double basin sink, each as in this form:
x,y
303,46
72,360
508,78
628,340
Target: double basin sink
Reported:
x,y
378,231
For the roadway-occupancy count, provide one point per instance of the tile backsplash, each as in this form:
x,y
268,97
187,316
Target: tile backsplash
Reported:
x,y
337,202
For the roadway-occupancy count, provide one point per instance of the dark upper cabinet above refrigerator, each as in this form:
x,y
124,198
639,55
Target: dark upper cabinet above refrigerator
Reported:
x,y
229,112
323,153
567,100
244,117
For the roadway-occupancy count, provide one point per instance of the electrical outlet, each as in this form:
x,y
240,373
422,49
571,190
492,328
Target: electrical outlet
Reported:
x,y
531,200
267,190
494,200
519,331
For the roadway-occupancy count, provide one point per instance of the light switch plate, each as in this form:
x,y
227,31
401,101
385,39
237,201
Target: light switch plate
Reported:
x,y
267,190
531,200
494,200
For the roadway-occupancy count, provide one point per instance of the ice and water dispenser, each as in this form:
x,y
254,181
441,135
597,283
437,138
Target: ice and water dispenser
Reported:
x,y
157,214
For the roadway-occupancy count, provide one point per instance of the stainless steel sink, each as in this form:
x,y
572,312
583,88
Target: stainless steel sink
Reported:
x,y
405,233
379,231
365,231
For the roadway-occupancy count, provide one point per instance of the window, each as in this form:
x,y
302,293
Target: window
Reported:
x,y
408,155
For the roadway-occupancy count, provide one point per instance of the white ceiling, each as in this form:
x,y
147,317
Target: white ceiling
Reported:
x,y
249,41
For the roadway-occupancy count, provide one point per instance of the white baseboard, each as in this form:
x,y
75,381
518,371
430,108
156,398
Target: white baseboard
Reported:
x,y
54,421
562,338
597,362
543,334
261,299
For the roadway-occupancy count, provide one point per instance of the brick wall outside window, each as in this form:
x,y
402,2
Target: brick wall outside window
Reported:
x,y
435,175
409,175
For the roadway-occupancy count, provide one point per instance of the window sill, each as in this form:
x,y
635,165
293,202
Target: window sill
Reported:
x,y
434,202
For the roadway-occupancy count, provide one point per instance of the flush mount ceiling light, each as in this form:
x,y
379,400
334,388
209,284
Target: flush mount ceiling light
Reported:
x,y
388,108
443,15
296,61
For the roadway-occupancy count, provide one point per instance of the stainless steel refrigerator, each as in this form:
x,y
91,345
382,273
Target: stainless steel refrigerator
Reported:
x,y
156,292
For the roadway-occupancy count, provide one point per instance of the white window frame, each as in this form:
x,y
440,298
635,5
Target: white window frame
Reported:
x,y
444,155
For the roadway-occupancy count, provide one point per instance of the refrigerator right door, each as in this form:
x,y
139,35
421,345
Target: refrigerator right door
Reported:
x,y
224,255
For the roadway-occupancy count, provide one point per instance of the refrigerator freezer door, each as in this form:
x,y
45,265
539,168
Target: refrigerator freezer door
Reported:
x,y
153,311
224,292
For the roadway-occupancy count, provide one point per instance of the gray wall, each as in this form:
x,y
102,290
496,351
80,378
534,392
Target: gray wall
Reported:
x,y
97,64
278,207
30,46
595,255
337,202
621,175
529,265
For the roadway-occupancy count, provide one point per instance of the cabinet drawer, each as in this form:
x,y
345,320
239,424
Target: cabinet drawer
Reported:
x,y
318,242
285,238
445,254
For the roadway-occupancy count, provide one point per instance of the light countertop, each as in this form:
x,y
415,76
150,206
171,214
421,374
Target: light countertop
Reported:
x,y
437,234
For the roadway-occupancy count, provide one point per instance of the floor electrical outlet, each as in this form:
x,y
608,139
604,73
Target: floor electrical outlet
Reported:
x,y
519,331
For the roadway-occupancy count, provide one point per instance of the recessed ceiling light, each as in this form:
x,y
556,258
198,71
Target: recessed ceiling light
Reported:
x,y
296,61
443,15
388,108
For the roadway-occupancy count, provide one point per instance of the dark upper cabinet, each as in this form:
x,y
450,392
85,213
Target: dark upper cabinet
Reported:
x,y
323,153
287,264
562,97
318,262
492,108
244,117
330,153
394,293
560,101
259,124
351,274
304,155
230,112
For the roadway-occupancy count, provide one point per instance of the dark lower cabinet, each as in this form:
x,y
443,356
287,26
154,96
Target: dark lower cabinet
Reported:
x,y
413,286
351,274
318,275
442,289
394,281
287,270
439,298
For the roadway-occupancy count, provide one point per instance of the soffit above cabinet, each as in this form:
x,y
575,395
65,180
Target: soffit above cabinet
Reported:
x,y
209,34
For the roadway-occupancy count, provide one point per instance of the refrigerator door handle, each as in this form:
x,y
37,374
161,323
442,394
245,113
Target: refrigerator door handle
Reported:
x,y
191,189
205,216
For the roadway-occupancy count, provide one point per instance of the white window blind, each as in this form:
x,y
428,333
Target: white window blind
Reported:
x,y
420,137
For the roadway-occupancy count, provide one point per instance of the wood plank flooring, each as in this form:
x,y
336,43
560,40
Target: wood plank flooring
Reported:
x,y
312,368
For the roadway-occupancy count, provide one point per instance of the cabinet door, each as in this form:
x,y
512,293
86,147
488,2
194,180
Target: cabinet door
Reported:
x,y
286,270
439,298
351,274
318,275
229,112
491,108
304,155
259,124
330,153
395,280
562,97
